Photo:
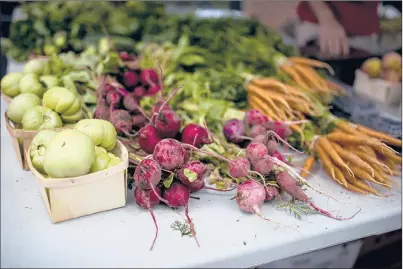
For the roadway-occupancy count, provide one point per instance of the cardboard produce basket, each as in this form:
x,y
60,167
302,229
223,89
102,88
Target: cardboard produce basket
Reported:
x,y
377,90
69,198
22,139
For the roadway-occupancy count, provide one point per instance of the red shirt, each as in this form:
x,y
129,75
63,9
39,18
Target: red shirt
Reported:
x,y
356,17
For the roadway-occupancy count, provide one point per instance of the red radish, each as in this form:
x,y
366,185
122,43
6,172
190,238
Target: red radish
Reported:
x,y
139,121
149,77
130,79
278,155
102,110
272,146
196,135
195,181
124,56
256,151
251,196
288,184
157,106
103,90
153,90
282,129
257,130
170,154
255,117
168,123
239,167
148,138
123,92
122,120
139,91
147,199
130,102
271,192
177,195
113,99
263,166
260,139
234,131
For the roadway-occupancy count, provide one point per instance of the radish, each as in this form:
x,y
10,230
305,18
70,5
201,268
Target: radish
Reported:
x,y
192,175
103,90
130,79
280,128
278,155
139,91
113,99
256,151
271,192
289,186
147,199
177,195
255,117
153,90
239,167
256,130
260,139
167,123
139,121
272,146
102,110
147,175
234,131
264,165
196,135
123,122
170,154
131,103
124,56
157,106
149,77
122,91
148,138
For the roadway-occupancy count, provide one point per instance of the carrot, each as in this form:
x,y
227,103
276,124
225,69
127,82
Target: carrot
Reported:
x,y
351,157
268,83
361,185
335,87
308,165
349,139
294,75
370,159
326,162
346,127
311,62
389,155
354,188
310,80
340,177
381,136
333,154
365,176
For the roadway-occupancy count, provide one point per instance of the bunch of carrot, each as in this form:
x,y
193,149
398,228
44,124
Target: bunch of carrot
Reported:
x,y
356,157
302,72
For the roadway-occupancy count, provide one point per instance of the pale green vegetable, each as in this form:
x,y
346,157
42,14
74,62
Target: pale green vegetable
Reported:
x,y
49,81
102,132
20,104
10,84
71,153
35,66
30,83
41,117
38,147
114,160
103,160
73,118
62,101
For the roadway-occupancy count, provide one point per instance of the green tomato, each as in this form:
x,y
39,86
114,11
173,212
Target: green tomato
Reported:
x,y
10,84
102,132
49,81
62,101
20,104
30,83
73,118
102,160
114,160
71,153
35,66
41,117
38,147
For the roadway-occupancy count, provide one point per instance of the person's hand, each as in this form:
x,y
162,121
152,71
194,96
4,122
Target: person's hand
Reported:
x,y
332,38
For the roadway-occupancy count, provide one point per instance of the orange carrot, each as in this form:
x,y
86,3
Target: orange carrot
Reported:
x,y
308,165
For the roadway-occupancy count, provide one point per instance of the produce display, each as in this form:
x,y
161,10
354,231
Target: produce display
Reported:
x,y
223,110
388,68
74,152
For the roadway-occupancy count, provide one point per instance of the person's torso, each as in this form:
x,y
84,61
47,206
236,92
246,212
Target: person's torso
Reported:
x,y
357,17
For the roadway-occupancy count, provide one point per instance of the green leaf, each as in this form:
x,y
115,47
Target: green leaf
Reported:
x,y
191,176
167,182
190,60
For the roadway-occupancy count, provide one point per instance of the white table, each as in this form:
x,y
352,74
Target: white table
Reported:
x,y
228,237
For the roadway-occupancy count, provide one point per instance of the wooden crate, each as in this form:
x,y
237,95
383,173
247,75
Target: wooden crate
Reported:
x,y
69,198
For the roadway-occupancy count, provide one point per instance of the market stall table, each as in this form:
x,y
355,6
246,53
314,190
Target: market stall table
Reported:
x,y
228,237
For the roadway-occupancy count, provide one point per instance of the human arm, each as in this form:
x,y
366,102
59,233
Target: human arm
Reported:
x,y
331,36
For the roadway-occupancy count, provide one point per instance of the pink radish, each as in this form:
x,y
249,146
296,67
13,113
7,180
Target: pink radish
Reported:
x,y
168,123
170,154
272,146
113,99
123,122
282,129
264,165
102,110
139,91
139,121
196,135
177,195
239,167
148,138
256,151
278,155
288,184
157,106
271,192
234,131
195,181
147,199
255,117
130,102
153,90
130,79
256,130
149,77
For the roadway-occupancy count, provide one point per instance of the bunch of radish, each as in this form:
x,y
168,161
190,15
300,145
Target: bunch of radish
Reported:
x,y
118,99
